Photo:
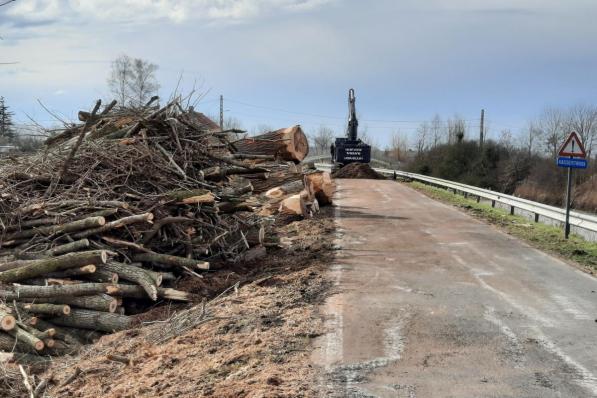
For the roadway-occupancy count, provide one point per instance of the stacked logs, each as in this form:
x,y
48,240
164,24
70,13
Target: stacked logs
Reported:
x,y
119,207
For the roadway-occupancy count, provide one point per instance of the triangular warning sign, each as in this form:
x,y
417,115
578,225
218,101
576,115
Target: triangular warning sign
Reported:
x,y
573,147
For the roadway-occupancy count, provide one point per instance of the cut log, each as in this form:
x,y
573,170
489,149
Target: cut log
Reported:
x,y
27,338
94,320
81,289
86,223
46,309
9,344
134,274
7,320
60,333
294,206
103,276
85,270
139,218
69,247
289,188
166,259
289,144
43,266
321,186
99,302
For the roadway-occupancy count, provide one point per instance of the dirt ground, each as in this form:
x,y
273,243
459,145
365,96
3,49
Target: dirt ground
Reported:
x,y
251,341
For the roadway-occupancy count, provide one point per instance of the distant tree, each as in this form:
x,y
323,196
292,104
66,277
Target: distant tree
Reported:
x,y
398,147
133,81
6,124
322,140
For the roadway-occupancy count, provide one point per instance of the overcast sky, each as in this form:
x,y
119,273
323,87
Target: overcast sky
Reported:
x,y
281,62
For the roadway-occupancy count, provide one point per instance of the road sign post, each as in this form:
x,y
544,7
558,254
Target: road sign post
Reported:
x,y
572,156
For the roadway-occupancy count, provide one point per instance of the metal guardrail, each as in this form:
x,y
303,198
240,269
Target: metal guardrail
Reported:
x,y
580,221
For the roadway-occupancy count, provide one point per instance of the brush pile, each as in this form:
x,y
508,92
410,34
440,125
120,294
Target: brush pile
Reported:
x,y
120,206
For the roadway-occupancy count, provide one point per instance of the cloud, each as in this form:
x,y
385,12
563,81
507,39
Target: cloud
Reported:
x,y
33,12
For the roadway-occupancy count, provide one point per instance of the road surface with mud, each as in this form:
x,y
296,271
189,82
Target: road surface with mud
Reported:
x,y
433,303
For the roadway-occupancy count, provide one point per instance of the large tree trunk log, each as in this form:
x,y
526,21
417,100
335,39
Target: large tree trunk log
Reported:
x,y
320,184
134,274
43,266
289,144
166,259
294,206
94,320
103,276
9,344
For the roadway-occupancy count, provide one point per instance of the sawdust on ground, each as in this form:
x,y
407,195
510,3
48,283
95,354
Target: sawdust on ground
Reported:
x,y
253,341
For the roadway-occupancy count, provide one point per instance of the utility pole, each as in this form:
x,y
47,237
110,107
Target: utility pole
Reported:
x,y
482,128
222,112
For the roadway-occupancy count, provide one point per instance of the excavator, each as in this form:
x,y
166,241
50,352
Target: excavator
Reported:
x,y
350,149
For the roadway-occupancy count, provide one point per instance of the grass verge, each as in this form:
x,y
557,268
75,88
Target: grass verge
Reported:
x,y
543,237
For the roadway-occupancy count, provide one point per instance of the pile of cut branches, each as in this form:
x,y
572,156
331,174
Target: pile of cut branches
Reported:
x,y
119,206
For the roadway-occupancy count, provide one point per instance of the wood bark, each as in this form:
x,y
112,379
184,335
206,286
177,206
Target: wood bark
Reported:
x,y
94,320
81,289
289,144
85,270
69,247
43,266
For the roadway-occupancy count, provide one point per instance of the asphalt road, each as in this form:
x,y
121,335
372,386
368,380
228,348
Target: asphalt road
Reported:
x,y
433,303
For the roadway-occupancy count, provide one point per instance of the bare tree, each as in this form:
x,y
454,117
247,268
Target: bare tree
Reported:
x,y
582,118
322,139
529,139
551,125
435,130
456,129
506,139
422,136
398,147
143,84
132,80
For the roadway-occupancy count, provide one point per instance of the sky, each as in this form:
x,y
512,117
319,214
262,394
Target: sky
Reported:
x,y
285,62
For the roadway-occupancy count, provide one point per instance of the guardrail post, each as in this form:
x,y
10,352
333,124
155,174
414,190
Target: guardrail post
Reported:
x,y
466,195
493,203
511,210
536,217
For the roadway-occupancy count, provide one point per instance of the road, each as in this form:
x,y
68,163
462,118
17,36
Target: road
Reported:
x,y
433,303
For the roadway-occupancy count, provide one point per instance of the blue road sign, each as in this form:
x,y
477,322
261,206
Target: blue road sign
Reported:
x,y
574,163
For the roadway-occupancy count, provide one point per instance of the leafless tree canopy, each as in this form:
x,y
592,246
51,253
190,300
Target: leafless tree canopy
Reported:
x,y
133,81
322,139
